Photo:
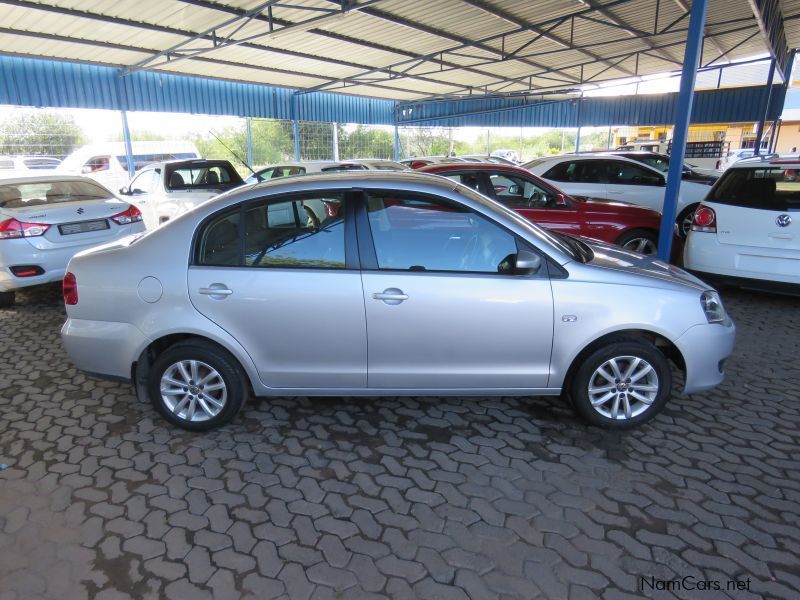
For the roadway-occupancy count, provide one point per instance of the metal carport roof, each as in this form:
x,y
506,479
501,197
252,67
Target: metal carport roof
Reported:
x,y
397,49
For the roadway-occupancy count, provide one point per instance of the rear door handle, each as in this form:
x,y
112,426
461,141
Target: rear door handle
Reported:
x,y
220,290
391,296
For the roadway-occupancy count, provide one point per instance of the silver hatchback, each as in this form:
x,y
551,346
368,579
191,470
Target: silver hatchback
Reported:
x,y
365,284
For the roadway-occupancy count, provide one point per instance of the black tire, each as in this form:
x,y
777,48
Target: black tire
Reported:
x,y
578,388
686,213
212,356
635,236
7,299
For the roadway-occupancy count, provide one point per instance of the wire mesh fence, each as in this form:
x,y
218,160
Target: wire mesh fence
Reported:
x,y
27,134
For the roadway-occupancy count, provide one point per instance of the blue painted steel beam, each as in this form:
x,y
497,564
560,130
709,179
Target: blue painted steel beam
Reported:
x,y
249,144
691,61
762,120
126,134
396,143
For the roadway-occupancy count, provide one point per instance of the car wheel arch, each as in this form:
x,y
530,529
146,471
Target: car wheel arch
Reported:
x,y
140,369
664,344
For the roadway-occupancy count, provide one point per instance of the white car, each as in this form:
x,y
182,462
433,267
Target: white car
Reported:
x,y
164,190
735,156
748,229
289,168
22,166
107,162
616,178
46,220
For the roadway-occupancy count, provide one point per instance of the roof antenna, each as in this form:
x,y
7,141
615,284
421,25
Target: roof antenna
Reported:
x,y
236,156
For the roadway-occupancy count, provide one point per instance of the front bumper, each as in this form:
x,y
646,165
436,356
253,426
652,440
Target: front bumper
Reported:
x,y
705,348
103,347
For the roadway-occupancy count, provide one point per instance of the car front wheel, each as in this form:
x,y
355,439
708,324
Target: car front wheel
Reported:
x,y
621,385
643,241
196,386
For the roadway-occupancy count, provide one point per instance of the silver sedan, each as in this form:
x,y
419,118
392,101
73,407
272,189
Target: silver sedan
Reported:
x,y
365,284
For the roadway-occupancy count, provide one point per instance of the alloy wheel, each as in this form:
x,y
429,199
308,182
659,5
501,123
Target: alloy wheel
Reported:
x,y
623,387
193,390
642,245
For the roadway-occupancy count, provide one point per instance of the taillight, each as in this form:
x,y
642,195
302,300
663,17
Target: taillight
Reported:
x,y
12,229
132,215
70,289
705,219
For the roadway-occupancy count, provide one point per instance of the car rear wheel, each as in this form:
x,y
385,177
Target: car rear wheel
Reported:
x,y
684,220
196,386
621,385
643,241
7,299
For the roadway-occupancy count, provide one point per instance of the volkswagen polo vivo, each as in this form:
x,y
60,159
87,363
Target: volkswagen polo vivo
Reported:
x,y
366,284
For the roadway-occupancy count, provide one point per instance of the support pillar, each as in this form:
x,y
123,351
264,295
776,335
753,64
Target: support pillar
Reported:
x,y
760,128
335,130
249,144
126,134
396,143
578,123
691,61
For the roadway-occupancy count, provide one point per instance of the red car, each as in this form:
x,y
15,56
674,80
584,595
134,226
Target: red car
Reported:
x,y
632,227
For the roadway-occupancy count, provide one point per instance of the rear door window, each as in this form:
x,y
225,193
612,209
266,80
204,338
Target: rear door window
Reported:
x,y
578,171
625,173
772,188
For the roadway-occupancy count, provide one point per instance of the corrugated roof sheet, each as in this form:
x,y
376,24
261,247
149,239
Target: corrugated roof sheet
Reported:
x,y
396,49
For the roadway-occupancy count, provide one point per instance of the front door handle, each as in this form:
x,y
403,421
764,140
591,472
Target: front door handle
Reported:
x,y
391,296
215,289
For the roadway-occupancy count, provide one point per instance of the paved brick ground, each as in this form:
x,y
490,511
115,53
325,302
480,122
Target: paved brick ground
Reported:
x,y
401,498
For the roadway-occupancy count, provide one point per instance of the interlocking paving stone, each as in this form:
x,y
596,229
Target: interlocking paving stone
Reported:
x,y
396,497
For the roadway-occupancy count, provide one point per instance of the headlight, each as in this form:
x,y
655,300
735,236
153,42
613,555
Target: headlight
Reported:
x,y
712,306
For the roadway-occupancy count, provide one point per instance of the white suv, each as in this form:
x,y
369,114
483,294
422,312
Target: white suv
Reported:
x,y
748,229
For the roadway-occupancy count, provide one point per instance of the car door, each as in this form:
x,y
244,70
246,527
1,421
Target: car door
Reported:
x,y
579,178
635,184
534,201
279,275
141,189
445,309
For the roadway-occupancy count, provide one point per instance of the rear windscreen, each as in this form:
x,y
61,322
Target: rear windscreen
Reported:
x,y
771,188
203,176
24,195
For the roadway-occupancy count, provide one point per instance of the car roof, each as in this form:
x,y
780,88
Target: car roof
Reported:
x,y
351,178
769,160
187,162
46,179
477,166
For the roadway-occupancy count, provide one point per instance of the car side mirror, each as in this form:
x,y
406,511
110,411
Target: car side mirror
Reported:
x,y
513,190
528,262
125,190
86,169
561,200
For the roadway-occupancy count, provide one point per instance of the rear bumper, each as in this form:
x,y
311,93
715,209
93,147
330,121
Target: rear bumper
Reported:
x,y
704,254
103,348
705,349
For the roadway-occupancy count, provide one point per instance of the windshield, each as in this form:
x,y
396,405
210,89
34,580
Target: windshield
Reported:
x,y
771,188
25,195
545,236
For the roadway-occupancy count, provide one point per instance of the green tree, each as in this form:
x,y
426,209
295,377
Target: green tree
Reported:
x,y
365,142
40,133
